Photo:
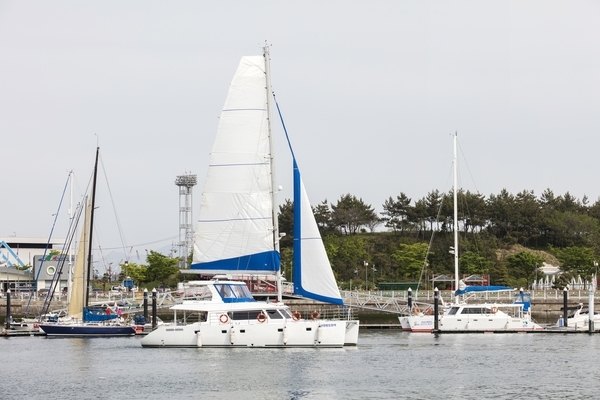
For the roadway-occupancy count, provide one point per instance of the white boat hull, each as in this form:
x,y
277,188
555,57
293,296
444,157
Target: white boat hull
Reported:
x,y
287,333
417,323
499,322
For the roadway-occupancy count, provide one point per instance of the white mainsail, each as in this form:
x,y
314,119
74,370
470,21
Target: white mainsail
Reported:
x,y
235,226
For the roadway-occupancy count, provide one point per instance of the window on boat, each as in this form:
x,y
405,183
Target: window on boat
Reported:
x,y
476,310
245,315
225,291
286,313
274,314
241,292
234,293
453,311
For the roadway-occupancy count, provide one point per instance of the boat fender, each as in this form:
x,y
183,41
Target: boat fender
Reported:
x,y
232,336
223,318
416,310
319,334
296,315
198,339
285,335
315,314
261,317
494,310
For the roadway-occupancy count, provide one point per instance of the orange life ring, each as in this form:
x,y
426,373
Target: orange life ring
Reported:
x,y
416,310
296,316
261,317
315,314
494,310
223,318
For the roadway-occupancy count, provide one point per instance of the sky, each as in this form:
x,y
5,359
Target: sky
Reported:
x,y
371,93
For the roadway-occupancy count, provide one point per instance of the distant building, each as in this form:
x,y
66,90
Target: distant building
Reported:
x,y
19,252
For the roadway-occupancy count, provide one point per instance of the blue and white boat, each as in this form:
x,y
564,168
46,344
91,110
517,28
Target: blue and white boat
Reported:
x,y
81,319
476,316
237,234
466,315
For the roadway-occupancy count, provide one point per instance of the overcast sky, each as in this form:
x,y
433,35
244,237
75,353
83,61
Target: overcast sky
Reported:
x,y
371,93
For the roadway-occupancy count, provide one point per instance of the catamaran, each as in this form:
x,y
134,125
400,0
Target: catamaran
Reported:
x,y
237,233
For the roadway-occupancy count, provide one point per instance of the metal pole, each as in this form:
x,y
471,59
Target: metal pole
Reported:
x,y
8,309
436,297
409,300
565,309
153,308
591,310
145,304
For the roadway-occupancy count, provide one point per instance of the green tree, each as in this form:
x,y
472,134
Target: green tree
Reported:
x,y
160,267
577,260
349,214
524,264
135,271
472,263
396,212
410,259
285,219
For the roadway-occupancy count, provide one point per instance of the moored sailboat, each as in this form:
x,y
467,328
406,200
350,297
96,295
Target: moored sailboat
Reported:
x,y
464,316
237,233
83,320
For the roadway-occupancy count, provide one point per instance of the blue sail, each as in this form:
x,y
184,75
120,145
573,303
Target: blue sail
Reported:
x,y
471,289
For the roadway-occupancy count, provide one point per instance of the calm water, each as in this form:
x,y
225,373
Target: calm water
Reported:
x,y
386,364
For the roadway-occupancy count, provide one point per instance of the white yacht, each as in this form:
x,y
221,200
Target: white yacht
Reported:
x,y
226,315
474,316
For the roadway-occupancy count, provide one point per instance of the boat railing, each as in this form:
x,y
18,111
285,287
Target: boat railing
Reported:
x,y
426,296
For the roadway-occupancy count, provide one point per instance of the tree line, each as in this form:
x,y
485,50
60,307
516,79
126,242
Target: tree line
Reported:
x,y
410,240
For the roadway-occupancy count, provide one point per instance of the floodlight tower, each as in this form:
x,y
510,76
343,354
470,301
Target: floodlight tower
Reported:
x,y
186,233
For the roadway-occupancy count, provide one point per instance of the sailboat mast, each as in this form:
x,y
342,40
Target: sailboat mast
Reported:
x,y
271,149
267,56
454,162
70,253
89,255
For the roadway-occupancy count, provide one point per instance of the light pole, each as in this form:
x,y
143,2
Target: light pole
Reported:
x,y
366,265
374,270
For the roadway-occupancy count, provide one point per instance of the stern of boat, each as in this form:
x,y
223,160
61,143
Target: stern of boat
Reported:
x,y
351,336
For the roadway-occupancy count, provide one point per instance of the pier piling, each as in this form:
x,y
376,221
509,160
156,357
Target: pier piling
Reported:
x,y
154,309
145,304
436,298
8,309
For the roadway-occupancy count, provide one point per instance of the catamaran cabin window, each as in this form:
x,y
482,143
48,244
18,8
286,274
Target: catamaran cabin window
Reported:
x,y
245,315
274,314
453,311
286,313
476,310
